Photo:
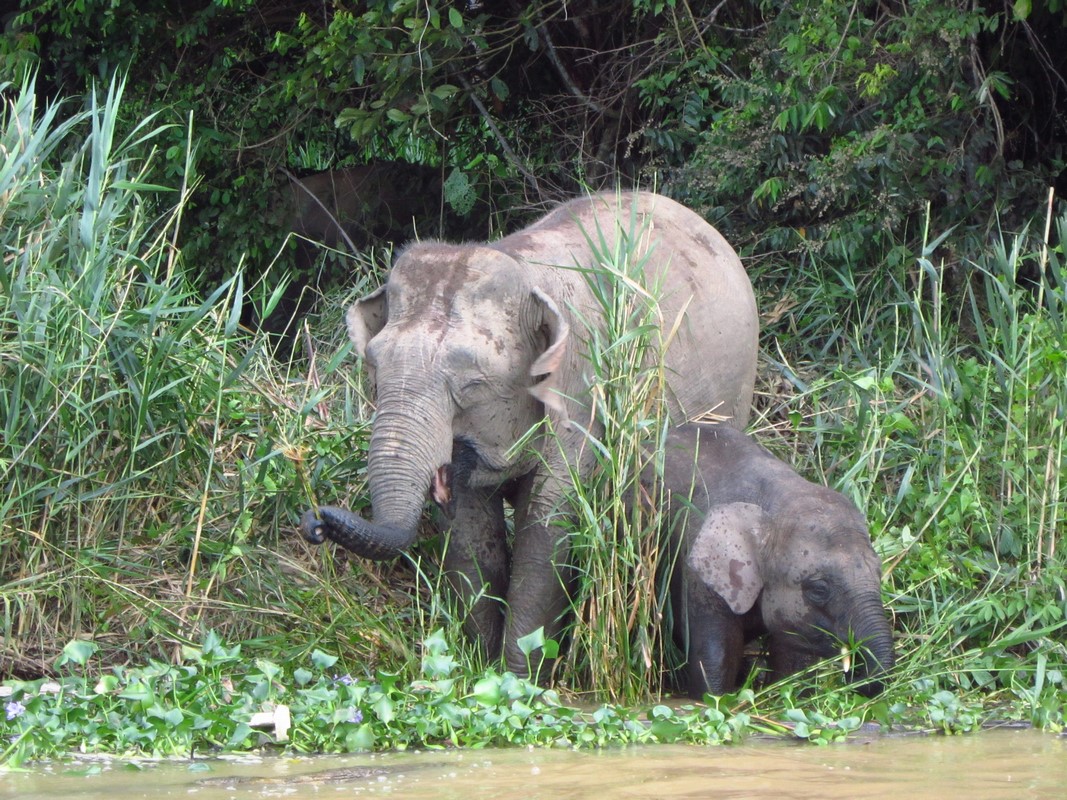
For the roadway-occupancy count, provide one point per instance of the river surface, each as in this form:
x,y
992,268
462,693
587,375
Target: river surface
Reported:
x,y
1012,764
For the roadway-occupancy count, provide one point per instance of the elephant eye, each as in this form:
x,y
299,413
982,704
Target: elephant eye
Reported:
x,y
467,390
816,591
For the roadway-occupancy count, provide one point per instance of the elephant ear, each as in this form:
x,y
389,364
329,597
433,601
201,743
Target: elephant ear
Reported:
x,y
365,318
547,365
725,555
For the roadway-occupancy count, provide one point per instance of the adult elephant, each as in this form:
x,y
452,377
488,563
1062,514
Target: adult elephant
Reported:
x,y
346,210
469,347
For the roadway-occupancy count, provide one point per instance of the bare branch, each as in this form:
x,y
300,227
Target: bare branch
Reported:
x,y
511,155
572,87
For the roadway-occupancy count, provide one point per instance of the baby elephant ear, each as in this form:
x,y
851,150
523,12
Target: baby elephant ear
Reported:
x,y
725,554
546,366
365,318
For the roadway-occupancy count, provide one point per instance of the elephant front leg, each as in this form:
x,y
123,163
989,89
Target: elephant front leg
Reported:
x,y
476,564
537,597
541,582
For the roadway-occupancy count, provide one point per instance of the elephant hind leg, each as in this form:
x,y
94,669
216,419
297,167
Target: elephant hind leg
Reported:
x,y
476,564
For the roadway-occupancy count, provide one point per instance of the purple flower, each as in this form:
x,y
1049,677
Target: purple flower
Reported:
x,y
14,709
356,716
346,679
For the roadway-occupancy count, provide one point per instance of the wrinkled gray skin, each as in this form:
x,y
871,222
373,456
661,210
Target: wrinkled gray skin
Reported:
x,y
762,550
470,346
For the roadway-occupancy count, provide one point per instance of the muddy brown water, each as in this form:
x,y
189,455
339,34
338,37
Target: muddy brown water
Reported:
x,y
992,764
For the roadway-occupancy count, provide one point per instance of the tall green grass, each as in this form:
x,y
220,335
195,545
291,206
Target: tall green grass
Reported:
x,y
151,449
941,413
620,554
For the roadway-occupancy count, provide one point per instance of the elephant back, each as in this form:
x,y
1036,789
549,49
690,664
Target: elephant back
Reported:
x,y
706,304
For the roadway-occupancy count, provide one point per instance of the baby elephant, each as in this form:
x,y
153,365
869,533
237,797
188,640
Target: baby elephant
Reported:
x,y
762,550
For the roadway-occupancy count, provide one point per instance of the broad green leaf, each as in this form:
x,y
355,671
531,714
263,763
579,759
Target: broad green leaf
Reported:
x,y
384,709
322,660
77,651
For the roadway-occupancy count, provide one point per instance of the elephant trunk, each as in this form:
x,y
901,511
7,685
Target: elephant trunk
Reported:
x,y
352,532
874,658
405,450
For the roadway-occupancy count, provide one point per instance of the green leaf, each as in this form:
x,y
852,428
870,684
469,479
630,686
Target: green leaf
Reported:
x,y
77,651
139,692
459,193
106,684
438,666
455,19
139,186
322,660
362,738
239,735
269,669
531,641
436,643
487,691
500,89
665,725
445,91
234,318
865,383
384,709
769,189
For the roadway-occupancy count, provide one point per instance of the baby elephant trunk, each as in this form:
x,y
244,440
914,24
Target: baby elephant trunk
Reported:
x,y
873,658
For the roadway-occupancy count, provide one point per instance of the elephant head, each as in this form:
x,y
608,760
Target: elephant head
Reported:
x,y
462,350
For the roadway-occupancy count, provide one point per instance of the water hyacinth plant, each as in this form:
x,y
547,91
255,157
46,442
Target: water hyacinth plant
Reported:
x,y
215,698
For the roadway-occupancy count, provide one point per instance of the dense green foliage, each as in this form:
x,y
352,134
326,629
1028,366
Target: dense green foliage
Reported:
x,y
794,126
155,455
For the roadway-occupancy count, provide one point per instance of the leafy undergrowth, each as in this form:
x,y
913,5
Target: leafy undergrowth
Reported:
x,y
215,699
